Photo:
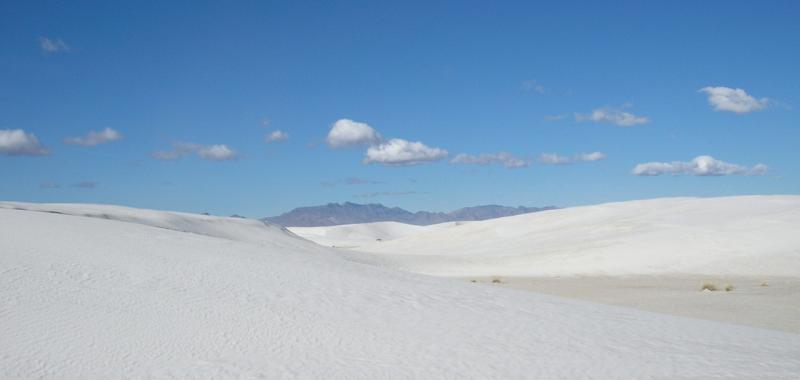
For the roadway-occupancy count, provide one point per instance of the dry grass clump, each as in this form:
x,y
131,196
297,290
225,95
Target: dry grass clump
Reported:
x,y
765,284
497,280
708,286
711,287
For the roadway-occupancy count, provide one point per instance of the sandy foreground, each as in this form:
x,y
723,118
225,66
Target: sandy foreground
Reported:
x,y
765,302
96,292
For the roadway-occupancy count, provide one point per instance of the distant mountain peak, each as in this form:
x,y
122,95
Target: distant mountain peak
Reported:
x,y
350,213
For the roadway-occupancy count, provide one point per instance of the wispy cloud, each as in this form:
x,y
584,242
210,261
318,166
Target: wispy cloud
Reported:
x,y
85,185
501,158
699,166
350,181
733,100
95,138
557,159
216,152
360,181
328,183
50,46
384,194
17,142
555,117
614,116
276,136
399,152
532,85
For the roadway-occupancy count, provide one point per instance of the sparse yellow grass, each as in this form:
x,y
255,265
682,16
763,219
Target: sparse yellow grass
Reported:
x,y
708,286
712,287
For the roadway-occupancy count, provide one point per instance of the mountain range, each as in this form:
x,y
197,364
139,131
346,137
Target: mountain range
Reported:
x,y
350,213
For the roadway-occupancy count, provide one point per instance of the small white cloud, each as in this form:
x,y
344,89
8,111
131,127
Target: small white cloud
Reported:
x,y
594,156
95,138
217,152
532,85
276,136
16,142
401,152
346,133
613,116
502,158
699,166
733,100
52,45
556,159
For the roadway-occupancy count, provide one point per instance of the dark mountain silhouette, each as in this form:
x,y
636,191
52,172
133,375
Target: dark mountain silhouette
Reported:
x,y
349,213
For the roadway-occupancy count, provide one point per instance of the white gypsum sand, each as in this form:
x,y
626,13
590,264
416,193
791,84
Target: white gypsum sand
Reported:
x,y
653,255
746,235
772,303
137,293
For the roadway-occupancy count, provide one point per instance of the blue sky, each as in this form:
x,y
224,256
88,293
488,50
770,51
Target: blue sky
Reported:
x,y
169,105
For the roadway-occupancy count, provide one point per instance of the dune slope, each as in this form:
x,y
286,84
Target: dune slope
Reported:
x,y
750,235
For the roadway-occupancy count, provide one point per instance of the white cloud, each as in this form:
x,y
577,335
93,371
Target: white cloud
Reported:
x,y
613,116
402,152
594,156
347,133
733,100
503,158
16,142
277,136
532,85
52,46
95,138
699,166
217,152
556,159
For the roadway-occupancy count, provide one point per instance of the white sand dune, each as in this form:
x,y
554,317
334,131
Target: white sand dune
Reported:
x,y
357,235
748,235
354,235
148,294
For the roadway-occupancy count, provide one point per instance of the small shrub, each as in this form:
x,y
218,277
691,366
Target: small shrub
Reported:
x,y
497,280
473,280
765,284
708,286
728,287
